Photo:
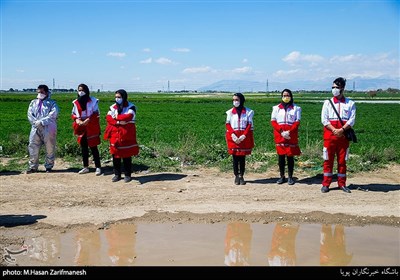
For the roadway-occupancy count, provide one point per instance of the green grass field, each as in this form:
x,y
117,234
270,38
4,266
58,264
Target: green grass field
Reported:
x,y
189,129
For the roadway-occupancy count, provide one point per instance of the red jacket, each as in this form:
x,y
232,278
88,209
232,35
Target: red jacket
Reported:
x,y
92,129
239,125
122,137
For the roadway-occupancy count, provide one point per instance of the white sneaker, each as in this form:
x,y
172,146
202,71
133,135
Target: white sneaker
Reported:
x,y
84,171
98,171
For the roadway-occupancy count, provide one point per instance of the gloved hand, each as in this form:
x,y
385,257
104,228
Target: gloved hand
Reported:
x,y
242,137
286,134
38,123
234,138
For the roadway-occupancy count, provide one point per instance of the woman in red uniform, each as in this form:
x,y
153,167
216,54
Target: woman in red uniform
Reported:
x,y
86,125
285,119
121,132
239,135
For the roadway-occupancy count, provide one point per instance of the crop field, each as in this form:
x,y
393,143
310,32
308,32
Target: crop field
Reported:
x,y
175,130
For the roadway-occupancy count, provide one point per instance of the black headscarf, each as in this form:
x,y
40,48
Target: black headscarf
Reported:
x,y
290,103
124,103
82,100
242,100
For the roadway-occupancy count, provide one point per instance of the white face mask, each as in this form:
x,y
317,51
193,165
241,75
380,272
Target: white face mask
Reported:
x,y
118,100
81,93
41,96
336,91
236,103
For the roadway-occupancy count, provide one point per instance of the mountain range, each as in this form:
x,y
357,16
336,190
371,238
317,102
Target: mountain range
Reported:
x,y
319,85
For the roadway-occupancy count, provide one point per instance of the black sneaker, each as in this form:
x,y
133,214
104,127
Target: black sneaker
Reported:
x,y
31,170
345,189
237,181
290,181
127,179
324,189
48,170
116,178
281,180
242,181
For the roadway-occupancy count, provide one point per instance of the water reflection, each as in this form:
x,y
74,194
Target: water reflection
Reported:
x,y
121,244
333,246
88,247
44,249
283,245
233,244
238,244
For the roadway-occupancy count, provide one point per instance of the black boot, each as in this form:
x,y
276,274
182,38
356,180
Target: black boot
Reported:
x,y
241,180
281,180
237,182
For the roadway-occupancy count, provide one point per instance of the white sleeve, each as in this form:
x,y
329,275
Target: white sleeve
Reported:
x,y
325,113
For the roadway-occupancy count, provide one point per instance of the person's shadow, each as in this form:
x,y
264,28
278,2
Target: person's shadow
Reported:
x,y
19,220
159,177
263,181
317,180
9,172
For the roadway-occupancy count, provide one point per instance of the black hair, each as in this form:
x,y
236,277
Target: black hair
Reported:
x,y
44,87
341,82
124,96
83,99
291,98
242,100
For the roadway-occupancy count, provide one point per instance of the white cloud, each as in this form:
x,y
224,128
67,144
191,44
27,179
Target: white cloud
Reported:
x,y
306,67
20,70
365,74
245,60
146,61
146,50
181,50
74,52
204,69
286,73
116,54
296,57
164,61
346,58
242,70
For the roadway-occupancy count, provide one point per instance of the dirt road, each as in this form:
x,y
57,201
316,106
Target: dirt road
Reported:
x,y
64,198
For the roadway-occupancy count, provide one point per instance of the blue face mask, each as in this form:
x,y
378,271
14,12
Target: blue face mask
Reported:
x,y
118,100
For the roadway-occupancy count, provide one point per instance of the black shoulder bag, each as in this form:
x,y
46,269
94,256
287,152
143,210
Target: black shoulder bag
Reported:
x,y
349,133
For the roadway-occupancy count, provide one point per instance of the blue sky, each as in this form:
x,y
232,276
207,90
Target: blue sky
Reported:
x,y
141,45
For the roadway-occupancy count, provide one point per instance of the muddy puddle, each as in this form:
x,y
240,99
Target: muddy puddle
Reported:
x,y
221,244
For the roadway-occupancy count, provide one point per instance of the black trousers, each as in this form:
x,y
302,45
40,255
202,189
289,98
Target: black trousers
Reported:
x,y
282,163
85,153
127,166
239,165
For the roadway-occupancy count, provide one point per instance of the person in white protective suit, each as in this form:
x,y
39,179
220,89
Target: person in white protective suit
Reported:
x,y
42,114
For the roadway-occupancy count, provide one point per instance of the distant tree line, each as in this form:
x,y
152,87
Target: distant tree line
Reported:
x,y
34,90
